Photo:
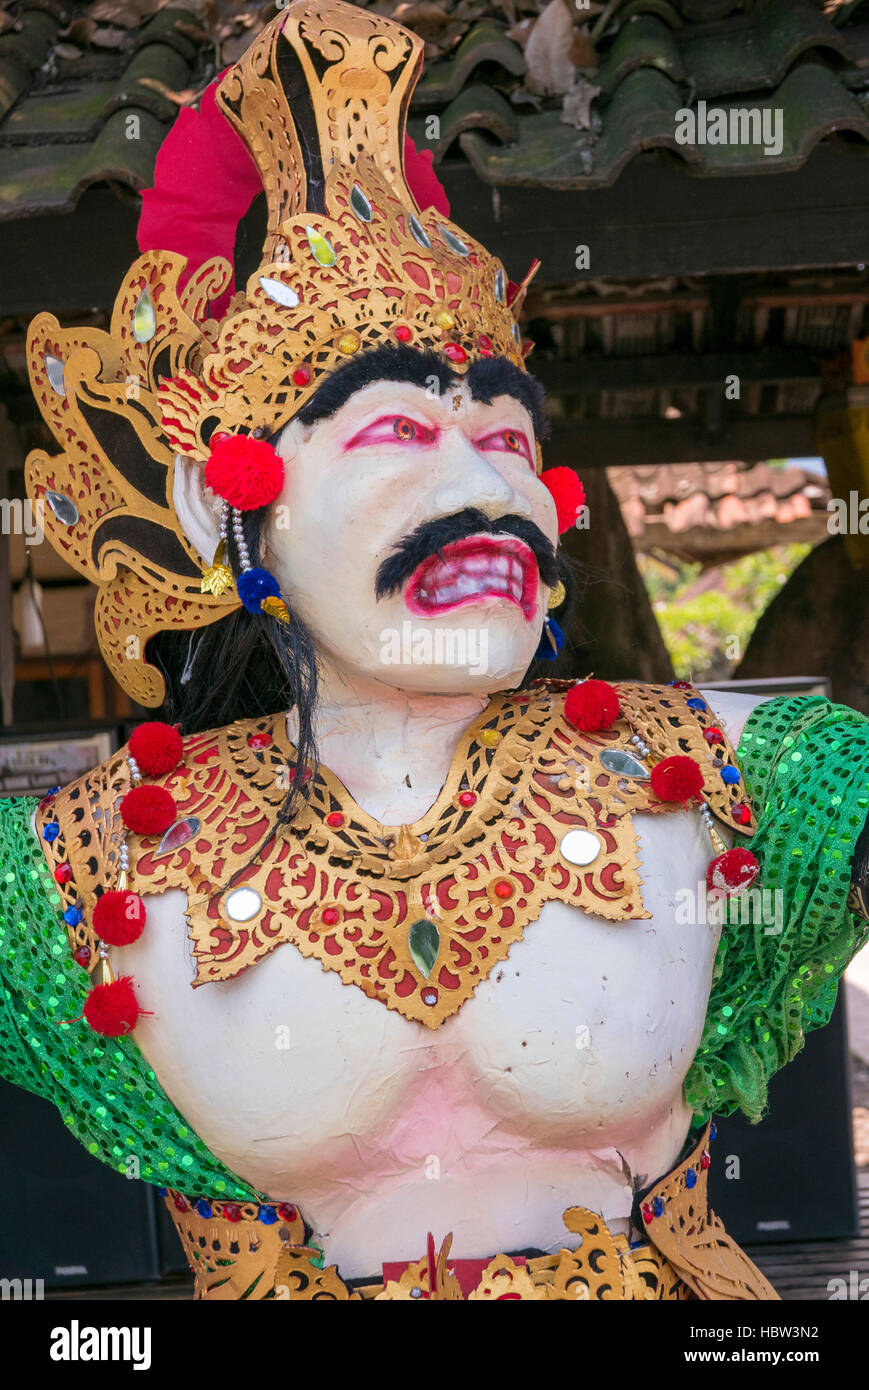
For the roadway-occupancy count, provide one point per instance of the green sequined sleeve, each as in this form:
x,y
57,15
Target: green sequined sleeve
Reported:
x,y
805,762
106,1093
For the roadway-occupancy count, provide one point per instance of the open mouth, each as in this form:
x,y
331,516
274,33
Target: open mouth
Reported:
x,y
473,570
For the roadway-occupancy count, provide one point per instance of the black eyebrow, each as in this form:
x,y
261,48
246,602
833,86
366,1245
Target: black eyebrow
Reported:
x,y
487,378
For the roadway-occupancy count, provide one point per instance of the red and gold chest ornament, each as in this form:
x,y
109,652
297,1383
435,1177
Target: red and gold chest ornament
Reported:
x,y
351,262
537,808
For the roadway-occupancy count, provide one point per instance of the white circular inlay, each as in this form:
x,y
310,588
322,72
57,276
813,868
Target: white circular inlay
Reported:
x,y
242,904
580,846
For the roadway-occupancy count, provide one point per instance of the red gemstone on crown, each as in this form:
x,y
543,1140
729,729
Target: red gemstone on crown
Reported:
x,y
301,376
402,333
705,1160
82,956
232,1211
330,916
286,1212
467,798
455,352
681,685
713,734
63,873
503,889
485,342
740,814
648,1214
259,740
335,818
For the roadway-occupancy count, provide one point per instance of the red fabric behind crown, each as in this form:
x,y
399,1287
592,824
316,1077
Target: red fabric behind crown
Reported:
x,y
205,180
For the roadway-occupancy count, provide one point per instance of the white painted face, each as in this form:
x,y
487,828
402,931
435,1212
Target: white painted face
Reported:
x,y
391,458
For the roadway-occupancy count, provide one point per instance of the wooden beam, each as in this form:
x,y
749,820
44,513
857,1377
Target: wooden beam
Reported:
x,y
597,372
68,262
584,444
655,220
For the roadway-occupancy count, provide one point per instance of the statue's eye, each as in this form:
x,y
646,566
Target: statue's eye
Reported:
x,y
507,441
404,429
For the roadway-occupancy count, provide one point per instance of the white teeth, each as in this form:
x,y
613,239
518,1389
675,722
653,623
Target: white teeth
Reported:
x,y
476,564
501,564
467,584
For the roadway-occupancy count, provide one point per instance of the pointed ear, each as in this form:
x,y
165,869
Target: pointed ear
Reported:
x,y
197,507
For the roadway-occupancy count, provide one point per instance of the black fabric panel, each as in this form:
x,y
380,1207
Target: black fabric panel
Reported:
x,y
299,98
152,541
120,442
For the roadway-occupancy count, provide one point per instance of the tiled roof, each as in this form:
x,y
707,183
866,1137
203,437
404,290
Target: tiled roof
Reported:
x,y
72,72
76,113
784,55
711,511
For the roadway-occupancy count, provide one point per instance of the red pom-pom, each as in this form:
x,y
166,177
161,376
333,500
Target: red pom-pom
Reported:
x,y
148,810
732,871
677,779
119,918
568,494
245,472
156,747
591,705
112,1010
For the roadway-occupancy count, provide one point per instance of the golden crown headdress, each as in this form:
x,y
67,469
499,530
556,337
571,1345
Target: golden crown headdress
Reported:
x,y
350,263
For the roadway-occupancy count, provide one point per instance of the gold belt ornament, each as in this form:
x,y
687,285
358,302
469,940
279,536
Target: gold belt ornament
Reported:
x,y
242,1251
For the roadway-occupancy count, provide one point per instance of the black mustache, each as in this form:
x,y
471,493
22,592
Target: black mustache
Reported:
x,y
431,537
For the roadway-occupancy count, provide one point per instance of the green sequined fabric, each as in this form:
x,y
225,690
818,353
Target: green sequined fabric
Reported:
x,y
805,762
106,1093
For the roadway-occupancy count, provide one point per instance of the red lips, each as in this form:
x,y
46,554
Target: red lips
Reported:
x,y
474,570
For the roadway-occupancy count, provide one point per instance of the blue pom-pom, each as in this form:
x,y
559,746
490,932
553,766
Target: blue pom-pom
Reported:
x,y
255,585
546,651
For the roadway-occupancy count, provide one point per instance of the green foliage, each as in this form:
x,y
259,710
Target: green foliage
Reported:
x,y
707,619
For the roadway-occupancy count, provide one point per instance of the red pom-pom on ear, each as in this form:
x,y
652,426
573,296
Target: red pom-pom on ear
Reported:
x,y
156,747
732,871
568,494
112,1010
247,473
148,810
591,705
119,918
677,779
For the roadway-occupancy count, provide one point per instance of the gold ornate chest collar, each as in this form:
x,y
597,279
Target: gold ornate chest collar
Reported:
x,y
532,811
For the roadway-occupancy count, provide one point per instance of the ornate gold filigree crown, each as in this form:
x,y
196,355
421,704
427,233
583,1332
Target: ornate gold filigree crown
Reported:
x,y
350,263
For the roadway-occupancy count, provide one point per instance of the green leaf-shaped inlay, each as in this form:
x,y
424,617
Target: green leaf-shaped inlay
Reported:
x,y
144,319
322,250
424,941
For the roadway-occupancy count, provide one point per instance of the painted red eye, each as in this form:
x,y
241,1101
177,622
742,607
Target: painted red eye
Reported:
x,y
507,442
390,428
404,428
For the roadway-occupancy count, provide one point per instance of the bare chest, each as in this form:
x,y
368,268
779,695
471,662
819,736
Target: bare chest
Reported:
x,y
580,1039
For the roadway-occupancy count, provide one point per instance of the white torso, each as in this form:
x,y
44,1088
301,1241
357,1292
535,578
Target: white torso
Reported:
x,y
558,1083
